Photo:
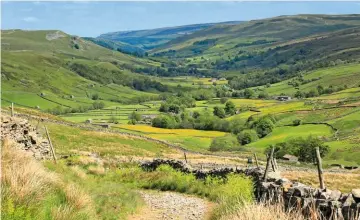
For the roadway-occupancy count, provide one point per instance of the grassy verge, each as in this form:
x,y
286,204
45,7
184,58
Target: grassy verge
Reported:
x,y
229,194
29,191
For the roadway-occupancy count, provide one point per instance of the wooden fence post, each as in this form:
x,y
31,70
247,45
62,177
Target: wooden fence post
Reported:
x,y
12,109
185,157
273,164
268,163
320,170
51,146
276,164
256,160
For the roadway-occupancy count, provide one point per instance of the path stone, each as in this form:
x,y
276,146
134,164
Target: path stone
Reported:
x,y
170,205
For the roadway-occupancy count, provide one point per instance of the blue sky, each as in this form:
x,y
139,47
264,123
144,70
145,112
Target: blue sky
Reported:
x,y
94,18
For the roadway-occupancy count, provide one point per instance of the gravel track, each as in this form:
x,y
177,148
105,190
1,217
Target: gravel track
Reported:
x,y
170,205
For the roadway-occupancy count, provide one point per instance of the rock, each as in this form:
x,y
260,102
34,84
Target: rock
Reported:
x,y
335,195
24,135
349,200
356,195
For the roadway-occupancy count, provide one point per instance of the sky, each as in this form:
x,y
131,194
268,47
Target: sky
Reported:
x,y
90,19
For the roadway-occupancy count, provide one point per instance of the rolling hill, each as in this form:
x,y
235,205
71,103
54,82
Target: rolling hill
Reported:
x,y
117,45
259,32
47,69
152,38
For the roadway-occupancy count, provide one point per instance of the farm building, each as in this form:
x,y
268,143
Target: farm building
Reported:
x,y
289,157
283,98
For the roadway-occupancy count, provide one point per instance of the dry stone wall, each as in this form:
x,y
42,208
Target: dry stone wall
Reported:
x,y
25,136
328,204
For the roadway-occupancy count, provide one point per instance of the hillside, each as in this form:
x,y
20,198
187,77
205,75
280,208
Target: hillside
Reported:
x,y
152,38
117,45
264,31
269,50
47,69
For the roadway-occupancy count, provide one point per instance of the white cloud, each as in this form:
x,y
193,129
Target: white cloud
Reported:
x,y
30,19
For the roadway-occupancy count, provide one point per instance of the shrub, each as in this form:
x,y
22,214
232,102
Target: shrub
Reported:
x,y
302,148
247,137
297,122
113,119
95,97
224,143
219,111
164,121
264,127
223,100
230,108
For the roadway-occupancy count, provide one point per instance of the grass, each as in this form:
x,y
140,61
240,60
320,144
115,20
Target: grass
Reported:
x,y
111,199
67,140
282,134
337,76
229,194
344,182
191,139
34,65
260,211
29,191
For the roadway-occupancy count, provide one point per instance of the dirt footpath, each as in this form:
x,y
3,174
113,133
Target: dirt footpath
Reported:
x,y
170,205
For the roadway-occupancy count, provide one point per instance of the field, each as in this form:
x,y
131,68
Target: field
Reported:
x,y
69,140
195,140
336,76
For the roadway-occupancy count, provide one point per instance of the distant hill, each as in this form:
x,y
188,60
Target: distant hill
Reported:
x,y
117,45
149,39
221,38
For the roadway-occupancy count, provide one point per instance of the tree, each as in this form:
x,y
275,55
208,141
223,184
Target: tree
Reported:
x,y
223,100
227,142
95,97
307,147
113,119
302,148
248,93
219,111
297,122
98,105
195,114
135,116
263,95
247,136
164,121
264,127
230,108
174,109
299,94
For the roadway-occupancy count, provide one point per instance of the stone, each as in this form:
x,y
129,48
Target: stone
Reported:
x,y
356,195
335,195
349,200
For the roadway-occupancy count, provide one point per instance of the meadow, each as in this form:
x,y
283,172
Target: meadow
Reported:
x,y
195,140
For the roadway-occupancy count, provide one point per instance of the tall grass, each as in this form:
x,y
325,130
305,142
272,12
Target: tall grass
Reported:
x,y
261,211
29,191
228,194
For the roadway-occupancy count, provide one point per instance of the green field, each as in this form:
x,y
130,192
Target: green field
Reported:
x,y
337,76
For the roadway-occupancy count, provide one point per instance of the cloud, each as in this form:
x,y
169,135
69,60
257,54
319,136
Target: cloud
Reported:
x,y
30,19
